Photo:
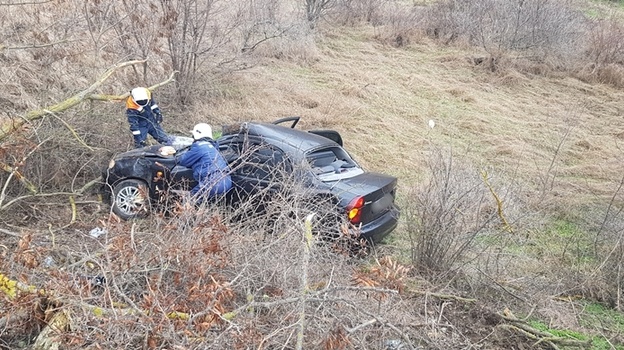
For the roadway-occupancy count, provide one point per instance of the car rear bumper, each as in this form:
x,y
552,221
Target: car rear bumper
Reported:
x,y
376,230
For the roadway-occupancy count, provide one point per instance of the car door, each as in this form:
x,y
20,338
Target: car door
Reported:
x,y
260,166
181,177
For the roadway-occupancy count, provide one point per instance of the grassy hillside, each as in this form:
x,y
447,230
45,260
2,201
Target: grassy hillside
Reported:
x,y
535,129
551,145
544,142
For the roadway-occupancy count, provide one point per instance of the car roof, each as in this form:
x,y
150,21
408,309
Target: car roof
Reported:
x,y
288,139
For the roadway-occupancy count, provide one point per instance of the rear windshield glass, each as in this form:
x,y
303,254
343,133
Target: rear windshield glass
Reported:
x,y
331,164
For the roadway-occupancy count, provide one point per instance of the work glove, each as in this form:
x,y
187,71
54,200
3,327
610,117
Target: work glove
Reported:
x,y
159,118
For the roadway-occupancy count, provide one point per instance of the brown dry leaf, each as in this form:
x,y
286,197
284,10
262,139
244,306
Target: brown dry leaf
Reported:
x,y
364,281
272,291
337,339
24,242
203,326
152,342
24,254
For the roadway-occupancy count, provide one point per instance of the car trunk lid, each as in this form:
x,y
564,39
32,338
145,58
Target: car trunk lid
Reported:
x,y
373,194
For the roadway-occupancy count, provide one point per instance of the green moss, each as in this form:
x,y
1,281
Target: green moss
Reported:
x,y
597,342
565,229
598,315
573,243
561,333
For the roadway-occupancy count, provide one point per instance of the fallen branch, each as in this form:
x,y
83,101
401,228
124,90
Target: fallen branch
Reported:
x,y
103,97
10,233
81,141
522,327
15,172
13,124
25,3
33,46
48,337
80,192
443,296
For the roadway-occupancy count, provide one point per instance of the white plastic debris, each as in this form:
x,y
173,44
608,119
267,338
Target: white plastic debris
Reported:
x,y
167,150
49,261
97,232
393,344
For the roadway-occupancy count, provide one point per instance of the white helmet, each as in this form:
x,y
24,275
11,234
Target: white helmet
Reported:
x,y
201,130
140,95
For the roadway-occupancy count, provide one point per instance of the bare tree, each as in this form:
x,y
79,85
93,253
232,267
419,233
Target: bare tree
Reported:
x,y
137,30
315,9
101,20
536,29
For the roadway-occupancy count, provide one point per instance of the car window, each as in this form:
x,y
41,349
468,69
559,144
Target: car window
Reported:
x,y
331,164
267,157
258,160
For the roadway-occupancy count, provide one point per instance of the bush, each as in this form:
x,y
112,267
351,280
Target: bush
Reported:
x,y
605,53
446,214
352,12
196,279
538,29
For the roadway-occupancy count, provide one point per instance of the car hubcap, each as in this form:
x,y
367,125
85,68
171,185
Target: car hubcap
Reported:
x,y
130,200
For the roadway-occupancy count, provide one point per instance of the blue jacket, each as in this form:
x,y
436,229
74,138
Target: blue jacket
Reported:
x,y
135,113
209,167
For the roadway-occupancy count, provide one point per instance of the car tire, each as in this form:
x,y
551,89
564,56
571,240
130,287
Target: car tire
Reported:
x,y
131,199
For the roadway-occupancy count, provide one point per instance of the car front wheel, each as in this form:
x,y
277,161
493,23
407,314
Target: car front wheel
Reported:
x,y
130,199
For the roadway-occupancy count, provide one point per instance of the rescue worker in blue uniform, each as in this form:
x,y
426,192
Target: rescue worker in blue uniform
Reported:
x,y
145,117
210,169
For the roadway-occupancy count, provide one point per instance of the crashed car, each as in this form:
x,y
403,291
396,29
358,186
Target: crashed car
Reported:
x,y
257,152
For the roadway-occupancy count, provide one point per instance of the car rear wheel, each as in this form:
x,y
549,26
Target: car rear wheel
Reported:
x,y
130,199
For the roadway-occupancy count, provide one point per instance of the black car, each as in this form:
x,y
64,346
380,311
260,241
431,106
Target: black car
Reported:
x,y
258,153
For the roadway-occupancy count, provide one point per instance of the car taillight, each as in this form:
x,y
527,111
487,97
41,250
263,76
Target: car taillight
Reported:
x,y
354,210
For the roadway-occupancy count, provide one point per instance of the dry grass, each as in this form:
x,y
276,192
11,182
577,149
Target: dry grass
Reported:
x,y
381,99
552,143
554,138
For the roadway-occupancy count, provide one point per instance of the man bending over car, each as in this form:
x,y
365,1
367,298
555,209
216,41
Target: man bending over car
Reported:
x,y
144,117
210,170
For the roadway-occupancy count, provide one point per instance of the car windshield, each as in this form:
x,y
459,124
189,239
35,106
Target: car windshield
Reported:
x,y
180,142
331,164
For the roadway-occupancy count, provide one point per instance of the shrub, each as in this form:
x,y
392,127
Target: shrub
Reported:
x,y
197,279
539,29
446,213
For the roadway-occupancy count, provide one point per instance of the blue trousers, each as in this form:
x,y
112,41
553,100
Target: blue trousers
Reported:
x,y
150,127
209,187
